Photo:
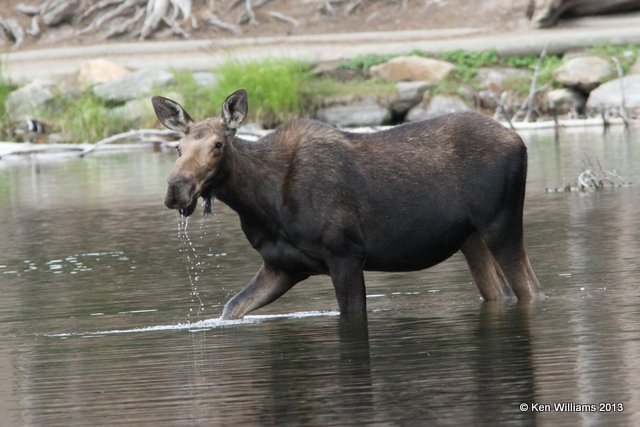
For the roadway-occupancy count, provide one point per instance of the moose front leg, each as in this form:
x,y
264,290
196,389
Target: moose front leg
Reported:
x,y
266,286
348,282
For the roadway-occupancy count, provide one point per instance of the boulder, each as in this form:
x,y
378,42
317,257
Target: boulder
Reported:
x,y
439,105
139,113
99,70
408,95
27,100
608,94
584,73
412,68
635,68
134,85
499,79
564,101
350,112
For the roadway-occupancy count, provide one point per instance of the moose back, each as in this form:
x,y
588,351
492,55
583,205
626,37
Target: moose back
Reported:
x,y
313,199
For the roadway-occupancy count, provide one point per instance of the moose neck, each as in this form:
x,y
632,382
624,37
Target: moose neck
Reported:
x,y
248,180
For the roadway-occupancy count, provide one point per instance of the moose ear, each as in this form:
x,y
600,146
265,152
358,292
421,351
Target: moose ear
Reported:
x,y
171,114
234,109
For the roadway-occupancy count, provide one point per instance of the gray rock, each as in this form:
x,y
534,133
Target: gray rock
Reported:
x,y
133,85
565,101
584,73
438,106
608,94
27,100
354,113
408,95
499,79
635,68
488,99
139,112
135,113
96,71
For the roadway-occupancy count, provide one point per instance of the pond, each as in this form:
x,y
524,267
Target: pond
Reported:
x,y
109,317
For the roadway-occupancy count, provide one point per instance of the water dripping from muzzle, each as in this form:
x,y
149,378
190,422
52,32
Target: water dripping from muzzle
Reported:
x,y
194,269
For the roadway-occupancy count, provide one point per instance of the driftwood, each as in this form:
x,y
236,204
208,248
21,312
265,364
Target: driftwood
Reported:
x,y
545,13
57,11
212,19
144,18
9,28
592,178
284,18
139,135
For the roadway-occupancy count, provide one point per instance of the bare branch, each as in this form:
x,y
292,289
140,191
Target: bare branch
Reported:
x,y
623,108
353,7
212,19
34,30
529,103
13,30
125,26
284,18
28,9
98,6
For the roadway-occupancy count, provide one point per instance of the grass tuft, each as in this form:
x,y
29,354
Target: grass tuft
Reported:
x,y
84,118
5,89
198,100
275,86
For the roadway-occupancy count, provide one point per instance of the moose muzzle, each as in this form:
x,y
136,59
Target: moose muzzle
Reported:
x,y
180,192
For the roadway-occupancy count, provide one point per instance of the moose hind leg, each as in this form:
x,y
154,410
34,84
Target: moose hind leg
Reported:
x,y
265,287
507,246
486,272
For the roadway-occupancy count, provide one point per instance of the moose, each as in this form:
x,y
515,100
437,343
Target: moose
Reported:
x,y
313,199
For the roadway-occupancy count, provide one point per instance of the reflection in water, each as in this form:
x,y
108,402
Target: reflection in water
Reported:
x,y
87,252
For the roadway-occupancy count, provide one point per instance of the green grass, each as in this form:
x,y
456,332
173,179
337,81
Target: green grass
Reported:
x,y
361,63
5,89
83,118
627,54
199,100
275,87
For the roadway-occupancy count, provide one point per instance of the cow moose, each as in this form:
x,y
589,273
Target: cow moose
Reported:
x,y
313,199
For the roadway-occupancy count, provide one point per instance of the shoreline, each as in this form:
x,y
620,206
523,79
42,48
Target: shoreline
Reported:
x,y
26,150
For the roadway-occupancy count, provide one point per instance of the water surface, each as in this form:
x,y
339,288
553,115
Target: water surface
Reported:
x,y
108,317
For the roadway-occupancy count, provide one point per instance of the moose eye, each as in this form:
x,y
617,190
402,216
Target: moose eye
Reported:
x,y
218,145
178,150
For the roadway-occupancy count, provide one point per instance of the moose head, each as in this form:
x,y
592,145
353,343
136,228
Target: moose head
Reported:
x,y
201,148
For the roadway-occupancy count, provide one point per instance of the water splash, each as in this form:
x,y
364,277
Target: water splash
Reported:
x,y
204,325
194,267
